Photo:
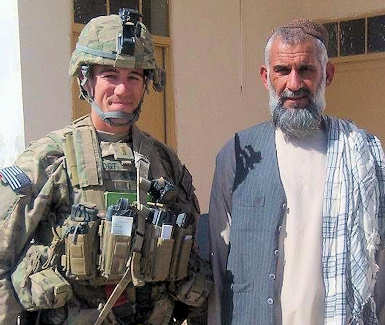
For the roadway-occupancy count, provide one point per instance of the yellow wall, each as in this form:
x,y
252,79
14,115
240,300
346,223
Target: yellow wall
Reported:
x,y
217,51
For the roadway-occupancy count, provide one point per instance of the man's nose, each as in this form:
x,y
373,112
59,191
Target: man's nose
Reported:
x,y
294,81
121,88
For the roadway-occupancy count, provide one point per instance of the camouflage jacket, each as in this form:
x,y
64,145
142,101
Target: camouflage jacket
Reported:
x,y
22,215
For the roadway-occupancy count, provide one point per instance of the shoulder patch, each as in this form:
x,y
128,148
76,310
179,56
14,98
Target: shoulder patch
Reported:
x,y
16,178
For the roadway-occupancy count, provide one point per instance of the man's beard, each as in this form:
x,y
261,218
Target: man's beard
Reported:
x,y
297,122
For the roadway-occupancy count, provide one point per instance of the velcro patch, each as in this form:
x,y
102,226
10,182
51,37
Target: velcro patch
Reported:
x,y
16,178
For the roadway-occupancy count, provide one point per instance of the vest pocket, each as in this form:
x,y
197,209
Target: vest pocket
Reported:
x,y
49,289
80,257
115,251
181,253
157,253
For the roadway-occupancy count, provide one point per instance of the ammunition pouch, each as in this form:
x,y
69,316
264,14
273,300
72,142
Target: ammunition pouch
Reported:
x,y
38,286
166,259
181,253
80,250
115,251
157,254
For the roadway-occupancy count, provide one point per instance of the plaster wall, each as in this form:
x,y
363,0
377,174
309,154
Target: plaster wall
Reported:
x,y
217,51
45,49
206,47
11,109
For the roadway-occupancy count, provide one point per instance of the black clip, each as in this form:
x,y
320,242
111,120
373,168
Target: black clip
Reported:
x,y
131,30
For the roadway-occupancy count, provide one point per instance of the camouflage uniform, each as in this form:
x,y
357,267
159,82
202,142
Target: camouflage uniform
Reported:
x,y
27,215
37,214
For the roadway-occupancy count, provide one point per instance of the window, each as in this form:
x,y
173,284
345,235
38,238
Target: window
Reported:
x,y
358,36
155,12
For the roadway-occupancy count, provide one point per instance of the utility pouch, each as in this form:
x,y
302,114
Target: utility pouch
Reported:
x,y
115,239
39,288
115,251
81,243
157,254
181,253
50,289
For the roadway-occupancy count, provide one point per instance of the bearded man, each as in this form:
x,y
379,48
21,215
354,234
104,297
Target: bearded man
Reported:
x,y
297,205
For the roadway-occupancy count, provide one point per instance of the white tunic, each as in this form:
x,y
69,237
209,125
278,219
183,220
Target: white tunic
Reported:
x,y
302,166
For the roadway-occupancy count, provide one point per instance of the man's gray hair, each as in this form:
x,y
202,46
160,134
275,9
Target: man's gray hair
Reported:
x,y
295,36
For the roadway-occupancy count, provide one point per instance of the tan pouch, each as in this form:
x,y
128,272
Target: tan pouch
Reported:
x,y
81,248
115,251
49,289
157,254
181,253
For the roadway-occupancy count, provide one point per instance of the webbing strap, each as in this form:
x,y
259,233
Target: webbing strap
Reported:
x,y
136,272
110,117
94,52
123,283
142,168
71,158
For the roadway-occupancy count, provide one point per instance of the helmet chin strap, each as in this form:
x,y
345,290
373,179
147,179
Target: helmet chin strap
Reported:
x,y
124,118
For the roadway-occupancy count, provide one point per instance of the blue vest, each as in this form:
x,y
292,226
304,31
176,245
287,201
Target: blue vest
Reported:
x,y
258,206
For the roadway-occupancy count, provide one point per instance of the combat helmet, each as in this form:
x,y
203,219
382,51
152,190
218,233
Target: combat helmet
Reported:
x,y
121,41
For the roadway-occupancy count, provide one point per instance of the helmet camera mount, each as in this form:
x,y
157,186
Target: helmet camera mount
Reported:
x,y
131,30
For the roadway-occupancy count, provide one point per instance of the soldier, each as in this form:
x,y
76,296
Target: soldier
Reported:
x,y
81,243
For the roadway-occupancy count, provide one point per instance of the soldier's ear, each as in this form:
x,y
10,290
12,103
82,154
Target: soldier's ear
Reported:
x,y
330,69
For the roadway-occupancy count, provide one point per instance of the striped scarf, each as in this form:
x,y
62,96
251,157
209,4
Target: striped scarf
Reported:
x,y
353,213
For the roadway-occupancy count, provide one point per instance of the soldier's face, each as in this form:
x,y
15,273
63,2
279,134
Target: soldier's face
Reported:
x,y
117,89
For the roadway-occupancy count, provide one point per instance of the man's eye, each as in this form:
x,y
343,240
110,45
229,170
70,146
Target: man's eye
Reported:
x,y
305,69
282,70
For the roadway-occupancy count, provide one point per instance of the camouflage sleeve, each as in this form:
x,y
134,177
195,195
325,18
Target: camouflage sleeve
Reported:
x,y
20,213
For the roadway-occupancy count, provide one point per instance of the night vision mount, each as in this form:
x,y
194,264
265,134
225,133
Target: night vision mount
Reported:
x,y
131,30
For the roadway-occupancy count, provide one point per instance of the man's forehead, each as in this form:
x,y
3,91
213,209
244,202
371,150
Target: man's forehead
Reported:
x,y
303,51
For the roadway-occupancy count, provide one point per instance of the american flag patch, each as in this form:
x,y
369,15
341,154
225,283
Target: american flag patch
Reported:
x,y
15,177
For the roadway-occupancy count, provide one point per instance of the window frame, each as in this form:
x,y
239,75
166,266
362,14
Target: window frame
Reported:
x,y
358,57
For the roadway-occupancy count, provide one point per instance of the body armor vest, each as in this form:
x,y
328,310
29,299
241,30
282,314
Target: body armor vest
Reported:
x,y
94,248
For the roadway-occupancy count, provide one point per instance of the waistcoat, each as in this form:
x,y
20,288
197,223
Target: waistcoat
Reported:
x,y
258,206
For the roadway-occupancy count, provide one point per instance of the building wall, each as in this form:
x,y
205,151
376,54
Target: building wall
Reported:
x,y
11,109
45,48
217,51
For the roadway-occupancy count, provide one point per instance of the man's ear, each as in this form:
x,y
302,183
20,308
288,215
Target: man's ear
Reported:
x,y
330,69
264,75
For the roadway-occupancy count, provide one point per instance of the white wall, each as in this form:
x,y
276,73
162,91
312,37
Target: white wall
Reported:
x,y
45,44
11,106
